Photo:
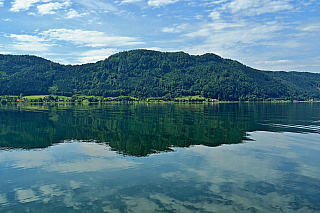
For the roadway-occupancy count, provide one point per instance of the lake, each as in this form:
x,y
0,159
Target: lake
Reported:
x,y
140,157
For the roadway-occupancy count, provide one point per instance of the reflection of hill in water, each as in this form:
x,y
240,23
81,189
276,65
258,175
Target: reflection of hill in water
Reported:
x,y
142,129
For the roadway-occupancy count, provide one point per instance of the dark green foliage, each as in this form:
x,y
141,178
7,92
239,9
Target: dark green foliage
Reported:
x,y
142,129
144,73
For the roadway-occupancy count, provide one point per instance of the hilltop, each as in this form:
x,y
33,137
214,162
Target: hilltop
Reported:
x,y
146,73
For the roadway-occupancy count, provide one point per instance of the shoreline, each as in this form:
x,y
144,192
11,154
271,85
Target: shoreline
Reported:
x,y
82,99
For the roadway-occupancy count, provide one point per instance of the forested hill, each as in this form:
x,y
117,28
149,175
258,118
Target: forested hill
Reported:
x,y
146,73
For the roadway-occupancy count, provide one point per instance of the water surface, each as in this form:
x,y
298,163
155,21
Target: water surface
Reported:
x,y
160,158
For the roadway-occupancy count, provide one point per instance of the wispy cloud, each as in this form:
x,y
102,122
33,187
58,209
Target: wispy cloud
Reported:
x,y
88,46
233,32
129,1
73,14
175,29
244,8
310,27
214,15
89,38
160,3
20,5
92,56
30,43
50,8
291,65
97,5
244,30
232,39
43,6
256,7
273,62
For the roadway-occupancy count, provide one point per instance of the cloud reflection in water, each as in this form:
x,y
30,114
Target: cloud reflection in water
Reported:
x,y
278,172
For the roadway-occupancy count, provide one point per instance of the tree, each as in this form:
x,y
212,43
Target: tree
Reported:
x,y
53,90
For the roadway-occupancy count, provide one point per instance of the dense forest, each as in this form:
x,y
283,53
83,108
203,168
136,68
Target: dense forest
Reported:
x,y
144,73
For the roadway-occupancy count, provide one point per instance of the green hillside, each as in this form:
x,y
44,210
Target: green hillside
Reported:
x,y
146,73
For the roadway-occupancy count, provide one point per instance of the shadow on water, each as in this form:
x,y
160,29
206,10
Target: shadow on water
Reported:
x,y
143,129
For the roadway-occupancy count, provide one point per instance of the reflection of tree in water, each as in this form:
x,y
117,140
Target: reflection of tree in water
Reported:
x,y
140,129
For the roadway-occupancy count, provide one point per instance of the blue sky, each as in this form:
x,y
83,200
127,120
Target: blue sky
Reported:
x,y
264,34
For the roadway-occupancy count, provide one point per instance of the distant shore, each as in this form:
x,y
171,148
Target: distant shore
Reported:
x,y
98,99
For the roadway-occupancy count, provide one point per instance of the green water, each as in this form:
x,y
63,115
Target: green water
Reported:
x,y
261,157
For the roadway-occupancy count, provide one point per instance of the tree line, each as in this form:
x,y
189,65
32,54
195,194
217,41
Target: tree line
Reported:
x,y
144,74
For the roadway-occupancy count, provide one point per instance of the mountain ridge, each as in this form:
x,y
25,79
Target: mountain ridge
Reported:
x,y
147,73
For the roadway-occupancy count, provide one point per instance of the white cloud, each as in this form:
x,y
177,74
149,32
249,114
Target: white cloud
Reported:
x,y
214,29
97,5
159,3
19,5
256,7
47,8
1,3
198,16
51,7
32,14
26,38
310,27
232,39
130,1
175,29
214,15
218,2
96,55
30,47
73,14
274,62
30,43
89,38
291,65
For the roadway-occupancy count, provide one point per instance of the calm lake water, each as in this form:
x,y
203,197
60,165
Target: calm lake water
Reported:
x,y
261,157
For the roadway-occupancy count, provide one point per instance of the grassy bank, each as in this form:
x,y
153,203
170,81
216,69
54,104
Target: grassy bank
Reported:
x,y
100,99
